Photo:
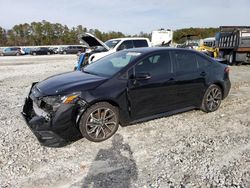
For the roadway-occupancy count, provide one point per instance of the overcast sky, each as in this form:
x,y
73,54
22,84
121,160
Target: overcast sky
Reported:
x,y
127,16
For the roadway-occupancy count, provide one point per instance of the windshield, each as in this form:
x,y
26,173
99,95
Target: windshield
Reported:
x,y
112,43
111,64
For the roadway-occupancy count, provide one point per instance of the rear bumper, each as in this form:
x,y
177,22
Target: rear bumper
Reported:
x,y
54,132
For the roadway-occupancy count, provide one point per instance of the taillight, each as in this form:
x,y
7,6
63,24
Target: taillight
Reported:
x,y
226,70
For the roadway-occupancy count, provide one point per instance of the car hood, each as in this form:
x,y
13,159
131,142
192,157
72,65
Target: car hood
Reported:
x,y
91,41
69,82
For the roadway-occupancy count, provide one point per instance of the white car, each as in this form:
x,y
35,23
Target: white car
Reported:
x,y
102,49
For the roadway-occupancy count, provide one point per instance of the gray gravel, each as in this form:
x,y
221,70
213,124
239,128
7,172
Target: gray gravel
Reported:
x,y
192,149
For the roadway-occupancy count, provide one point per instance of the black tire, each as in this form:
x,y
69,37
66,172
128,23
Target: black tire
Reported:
x,y
92,123
231,58
212,99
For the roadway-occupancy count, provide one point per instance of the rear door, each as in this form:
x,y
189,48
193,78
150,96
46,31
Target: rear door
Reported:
x,y
190,79
156,94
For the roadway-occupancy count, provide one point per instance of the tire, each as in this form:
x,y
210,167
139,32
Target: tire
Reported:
x,y
231,58
92,123
64,52
212,99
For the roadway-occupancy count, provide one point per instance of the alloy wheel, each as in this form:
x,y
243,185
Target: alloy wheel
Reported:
x,y
213,99
101,123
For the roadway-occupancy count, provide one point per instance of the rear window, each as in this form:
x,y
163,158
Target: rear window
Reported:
x,y
140,43
202,61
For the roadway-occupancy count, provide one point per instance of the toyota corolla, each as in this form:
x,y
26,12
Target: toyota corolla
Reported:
x,y
123,88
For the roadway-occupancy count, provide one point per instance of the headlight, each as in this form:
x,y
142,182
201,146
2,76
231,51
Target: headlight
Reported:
x,y
69,99
56,101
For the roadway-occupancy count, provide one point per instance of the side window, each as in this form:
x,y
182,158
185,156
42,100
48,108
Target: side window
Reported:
x,y
185,61
125,45
140,43
156,65
202,61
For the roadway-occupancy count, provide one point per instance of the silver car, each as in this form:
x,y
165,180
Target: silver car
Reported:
x,y
12,51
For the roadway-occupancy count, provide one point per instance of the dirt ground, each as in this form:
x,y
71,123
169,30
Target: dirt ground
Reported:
x,y
192,149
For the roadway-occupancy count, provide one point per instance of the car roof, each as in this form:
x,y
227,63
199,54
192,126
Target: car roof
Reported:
x,y
129,38
156,49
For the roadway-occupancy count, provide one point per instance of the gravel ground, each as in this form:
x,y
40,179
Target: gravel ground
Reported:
x,y
192,149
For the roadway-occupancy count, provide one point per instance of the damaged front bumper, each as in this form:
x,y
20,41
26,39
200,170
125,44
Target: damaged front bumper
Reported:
x,y
53,131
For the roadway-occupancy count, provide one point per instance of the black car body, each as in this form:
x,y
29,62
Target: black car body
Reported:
x,y
72,50
135,85
41,51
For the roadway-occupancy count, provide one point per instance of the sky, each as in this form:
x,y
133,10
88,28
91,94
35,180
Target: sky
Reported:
x,y
127,16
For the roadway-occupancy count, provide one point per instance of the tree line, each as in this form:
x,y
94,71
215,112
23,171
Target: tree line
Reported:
x,y
46,33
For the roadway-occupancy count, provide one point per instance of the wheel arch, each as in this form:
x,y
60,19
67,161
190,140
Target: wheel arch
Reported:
x,y
123,114
110,101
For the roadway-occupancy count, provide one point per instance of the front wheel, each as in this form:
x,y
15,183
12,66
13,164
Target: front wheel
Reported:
x,y
212,99
99,122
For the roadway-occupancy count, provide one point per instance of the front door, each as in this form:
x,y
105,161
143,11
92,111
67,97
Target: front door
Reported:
x,y
155,94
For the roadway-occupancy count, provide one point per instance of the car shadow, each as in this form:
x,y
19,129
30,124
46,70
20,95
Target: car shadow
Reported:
x,y
112,167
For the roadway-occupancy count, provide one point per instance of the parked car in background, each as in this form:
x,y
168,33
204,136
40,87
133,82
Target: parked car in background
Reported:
x,y
54,49
72,50
12,51
101,49
26,51
1,50
124,88
41,51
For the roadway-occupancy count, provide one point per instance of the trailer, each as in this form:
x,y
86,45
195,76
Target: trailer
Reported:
x,y
233,43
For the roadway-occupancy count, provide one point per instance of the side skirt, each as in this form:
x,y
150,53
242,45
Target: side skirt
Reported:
x,y
165,114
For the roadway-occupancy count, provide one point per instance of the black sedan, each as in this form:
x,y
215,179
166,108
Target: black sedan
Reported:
x,y
41,51
123,88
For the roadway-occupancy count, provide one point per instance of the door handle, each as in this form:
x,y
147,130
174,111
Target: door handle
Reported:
x,y
203,74
170,80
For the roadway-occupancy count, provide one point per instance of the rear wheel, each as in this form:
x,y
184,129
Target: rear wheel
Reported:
x,y
99,122
212,99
